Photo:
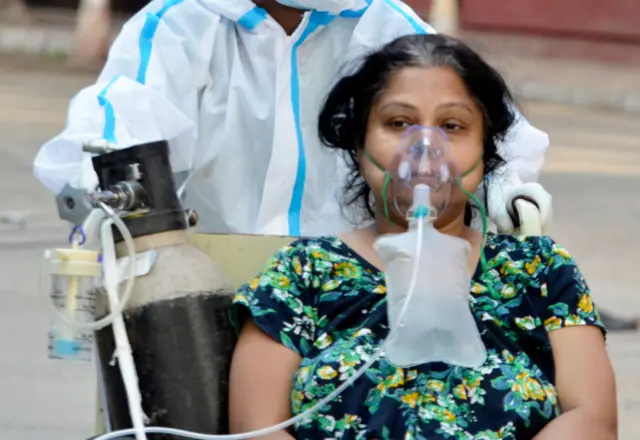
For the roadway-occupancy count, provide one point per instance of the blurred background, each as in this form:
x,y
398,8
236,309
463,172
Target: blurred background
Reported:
x,y
572,64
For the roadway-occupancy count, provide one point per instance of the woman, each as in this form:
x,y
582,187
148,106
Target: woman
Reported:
x,y
318,310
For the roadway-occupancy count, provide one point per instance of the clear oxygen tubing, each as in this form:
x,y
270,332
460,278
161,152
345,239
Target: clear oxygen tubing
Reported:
x,y
420,217
123,353
128,289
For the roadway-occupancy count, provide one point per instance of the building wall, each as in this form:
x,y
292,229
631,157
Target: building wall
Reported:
x,y
125,6
589,20
420,6
604,20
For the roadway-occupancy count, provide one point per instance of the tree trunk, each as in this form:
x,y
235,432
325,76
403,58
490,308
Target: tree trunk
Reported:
x,y
92,34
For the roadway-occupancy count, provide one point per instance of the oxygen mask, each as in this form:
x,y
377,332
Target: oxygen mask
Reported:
x,y
422,158
427,275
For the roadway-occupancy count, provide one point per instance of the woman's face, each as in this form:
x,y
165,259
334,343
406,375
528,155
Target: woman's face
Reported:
x,y
435,97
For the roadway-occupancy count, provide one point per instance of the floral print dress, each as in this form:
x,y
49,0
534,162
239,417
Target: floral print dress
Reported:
x,y
322,300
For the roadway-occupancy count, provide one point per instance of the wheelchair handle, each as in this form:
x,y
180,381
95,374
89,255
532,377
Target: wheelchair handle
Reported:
x,y
526,216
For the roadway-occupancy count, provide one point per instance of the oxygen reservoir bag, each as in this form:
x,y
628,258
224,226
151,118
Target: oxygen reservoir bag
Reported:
x,y
427,274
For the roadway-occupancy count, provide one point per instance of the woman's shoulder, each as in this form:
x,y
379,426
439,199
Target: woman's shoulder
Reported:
x,y
510,242
301,285
320,250
542,249
310,244
547,274
316,257
313,249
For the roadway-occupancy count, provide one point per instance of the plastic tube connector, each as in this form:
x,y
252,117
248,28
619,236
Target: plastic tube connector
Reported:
x,y
421,201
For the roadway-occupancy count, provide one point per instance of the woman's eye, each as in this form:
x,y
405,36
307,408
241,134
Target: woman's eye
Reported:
x,y
400,124
451,127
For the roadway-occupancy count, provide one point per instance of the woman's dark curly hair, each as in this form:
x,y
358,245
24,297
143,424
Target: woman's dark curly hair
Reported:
x,y
343,120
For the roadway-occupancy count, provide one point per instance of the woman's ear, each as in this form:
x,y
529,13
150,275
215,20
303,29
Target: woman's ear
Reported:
x,y
468,214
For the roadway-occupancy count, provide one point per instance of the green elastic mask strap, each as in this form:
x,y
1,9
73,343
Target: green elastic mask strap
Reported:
x,y
385,185
387,180
475,200
473,168
483,213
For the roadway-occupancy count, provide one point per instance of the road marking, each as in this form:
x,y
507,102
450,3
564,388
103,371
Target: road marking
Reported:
x,y
594,140
32,116
591,169
539,109
622,162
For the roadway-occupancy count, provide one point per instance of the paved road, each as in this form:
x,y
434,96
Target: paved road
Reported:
x,y
593,171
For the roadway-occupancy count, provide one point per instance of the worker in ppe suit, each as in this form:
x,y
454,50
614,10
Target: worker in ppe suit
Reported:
x,y
235,86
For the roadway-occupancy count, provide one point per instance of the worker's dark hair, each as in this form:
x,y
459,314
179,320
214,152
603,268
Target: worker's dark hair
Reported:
x,y
343,120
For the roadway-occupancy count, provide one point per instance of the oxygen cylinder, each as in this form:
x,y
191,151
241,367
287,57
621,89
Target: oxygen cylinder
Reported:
x,y
177,318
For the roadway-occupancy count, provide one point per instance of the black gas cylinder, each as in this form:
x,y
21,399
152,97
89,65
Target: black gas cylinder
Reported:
x,y
177,319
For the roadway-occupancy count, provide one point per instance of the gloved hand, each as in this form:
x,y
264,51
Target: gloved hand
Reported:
x,y
504,189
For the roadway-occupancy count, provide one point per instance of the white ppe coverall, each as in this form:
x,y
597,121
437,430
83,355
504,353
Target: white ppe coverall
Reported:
x,y
238,100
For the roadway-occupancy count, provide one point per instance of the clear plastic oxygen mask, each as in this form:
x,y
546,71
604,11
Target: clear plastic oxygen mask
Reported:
x,y
427,275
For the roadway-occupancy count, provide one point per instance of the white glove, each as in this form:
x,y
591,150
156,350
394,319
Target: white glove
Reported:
x,y
502,191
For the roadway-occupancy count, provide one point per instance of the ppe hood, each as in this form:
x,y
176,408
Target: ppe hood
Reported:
x,y
238,10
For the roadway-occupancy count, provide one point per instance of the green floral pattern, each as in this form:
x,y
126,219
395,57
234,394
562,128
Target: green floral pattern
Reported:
x,y
323,301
